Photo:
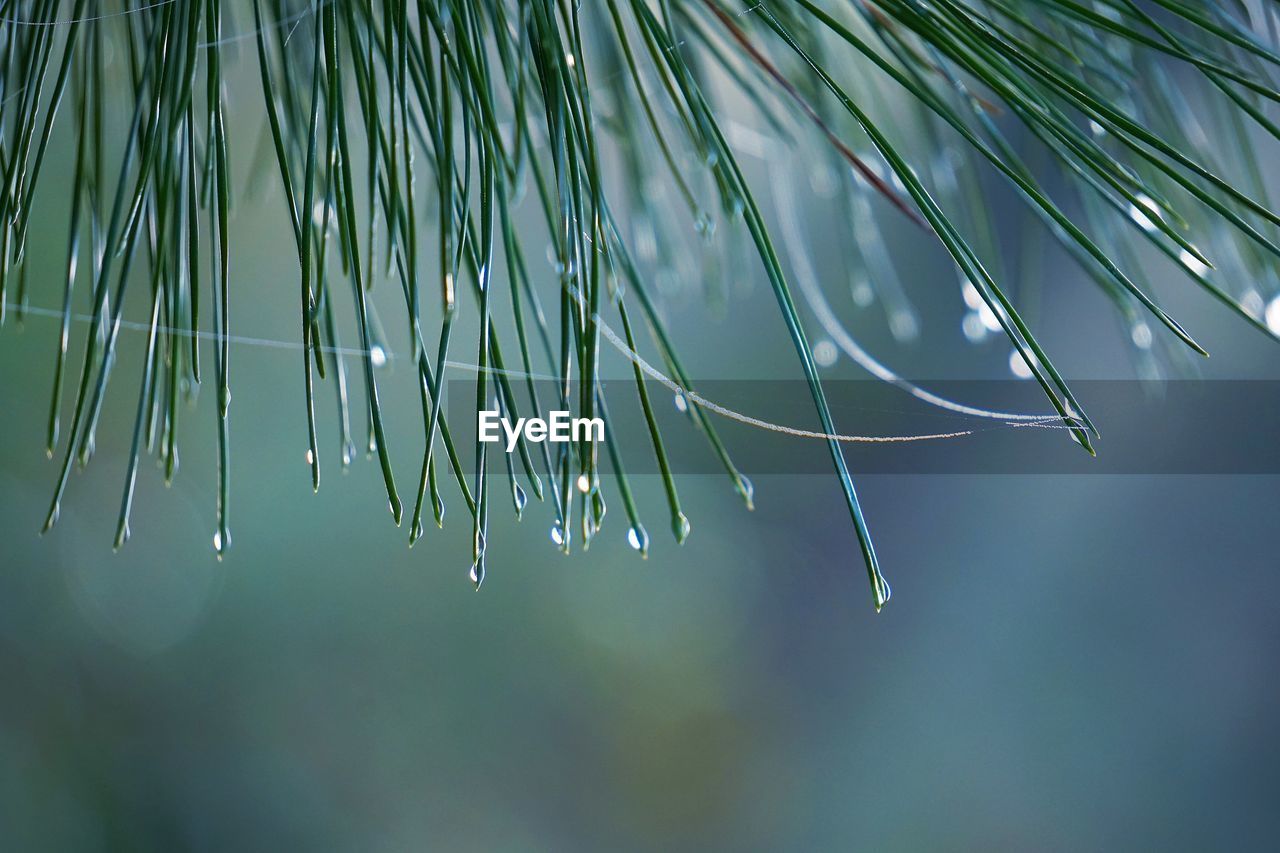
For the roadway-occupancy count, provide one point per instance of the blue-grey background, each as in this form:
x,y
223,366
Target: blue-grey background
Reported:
x,y
1068,662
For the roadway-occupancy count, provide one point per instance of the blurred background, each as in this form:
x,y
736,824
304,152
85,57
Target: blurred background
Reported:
x,y
1068,661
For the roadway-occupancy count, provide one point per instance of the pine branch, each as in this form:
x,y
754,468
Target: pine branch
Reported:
x,y
1146,111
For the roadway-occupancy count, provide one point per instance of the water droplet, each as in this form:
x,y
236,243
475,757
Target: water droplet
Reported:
x,y
682,405
746,490
705,225
598,508
1141,334
972,297
1138,215
569,60
557,535
904,326
1193,263
348,453
311,457
317,213
377,355
882,592
584,483
825,353
1018,365
989,319
474,574
1273,315
862,293
520,498
973,327
638,539
1097,129
680,527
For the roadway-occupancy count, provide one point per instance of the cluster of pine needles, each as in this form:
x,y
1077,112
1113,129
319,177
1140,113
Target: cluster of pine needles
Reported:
x,y
403,133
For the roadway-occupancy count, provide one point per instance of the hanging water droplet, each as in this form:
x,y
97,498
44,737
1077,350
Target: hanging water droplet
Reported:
x,y
1141,334
825,353
682,405
975,331
904,326
705,225
311,457
317,213
680,527
584,483
520,498
598,508
988,318
972,297
638,539
1193,263
348,453
1138,215
377,355
474,574
862,293
1018,365
557,535
882,592
1273,315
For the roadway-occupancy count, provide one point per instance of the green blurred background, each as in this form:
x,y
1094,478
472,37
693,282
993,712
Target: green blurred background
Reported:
x,y
1068,662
